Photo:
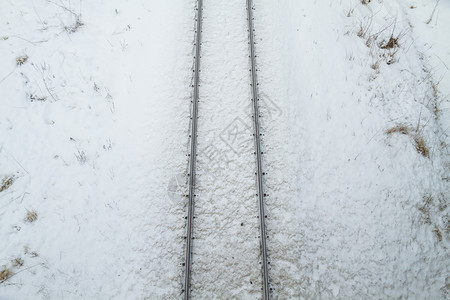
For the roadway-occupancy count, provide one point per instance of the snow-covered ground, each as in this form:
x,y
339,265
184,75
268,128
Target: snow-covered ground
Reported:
x,y
94,124
354,211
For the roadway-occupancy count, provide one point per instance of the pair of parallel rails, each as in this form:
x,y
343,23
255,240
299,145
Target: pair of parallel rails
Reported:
x,y
193,153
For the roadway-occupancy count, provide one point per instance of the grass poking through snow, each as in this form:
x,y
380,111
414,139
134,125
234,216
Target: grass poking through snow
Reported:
x,y
73,28
31,216
6,183
391,43
419,141
421,147
17,262
398,129
5,274
21,60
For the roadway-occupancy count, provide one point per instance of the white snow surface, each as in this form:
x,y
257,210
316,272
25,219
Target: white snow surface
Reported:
x,y
353,212
94,136
106,227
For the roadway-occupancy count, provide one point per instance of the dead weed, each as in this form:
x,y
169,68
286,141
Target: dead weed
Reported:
x,y
31,216
398,129
5,274
390,44
21,60
419,141
6,183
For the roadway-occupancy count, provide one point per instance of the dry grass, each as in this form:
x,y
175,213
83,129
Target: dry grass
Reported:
x,y
364,30
6,183
73,28
361,32
390,44
432,210
398,129
437,233
350,12
421,147
375,66
432,14
81,157
425,209
5,274
31,216
26,250
37,98
21,60
17,262
419,141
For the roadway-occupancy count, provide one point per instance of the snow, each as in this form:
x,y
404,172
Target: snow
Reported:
x,y
226,244
345,202
106,226
94,128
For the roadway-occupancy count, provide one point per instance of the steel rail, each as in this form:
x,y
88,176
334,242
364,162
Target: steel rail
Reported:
x,y
259,178
193,156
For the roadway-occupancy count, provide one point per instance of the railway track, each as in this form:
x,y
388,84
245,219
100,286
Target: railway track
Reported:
x,y
193,153
257,152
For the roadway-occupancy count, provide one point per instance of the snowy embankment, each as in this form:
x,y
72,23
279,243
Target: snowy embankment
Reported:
x,y
92,126
357,173
94,120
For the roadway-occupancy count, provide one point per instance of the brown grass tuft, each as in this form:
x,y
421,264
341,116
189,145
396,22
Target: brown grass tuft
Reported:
x,y
31,216
6,183
421,147
398,129
375,66
391,43
5,274
17,262
21,60
419,141
438,233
